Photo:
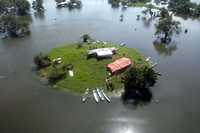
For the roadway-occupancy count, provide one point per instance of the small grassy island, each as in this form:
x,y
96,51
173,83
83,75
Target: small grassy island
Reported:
x,y
88,73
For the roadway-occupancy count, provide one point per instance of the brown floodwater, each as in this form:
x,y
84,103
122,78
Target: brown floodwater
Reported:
x,y
27,105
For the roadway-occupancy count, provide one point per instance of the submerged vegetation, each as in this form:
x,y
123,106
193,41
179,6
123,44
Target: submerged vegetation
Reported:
x,y
14,19
38,5
167,26
15,26
184,8
19,7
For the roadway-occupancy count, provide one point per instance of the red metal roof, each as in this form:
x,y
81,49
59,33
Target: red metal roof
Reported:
x,y
119,65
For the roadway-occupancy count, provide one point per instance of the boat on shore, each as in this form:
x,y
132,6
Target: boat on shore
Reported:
x,y
86,94
148,59
96,97
106,97
100,94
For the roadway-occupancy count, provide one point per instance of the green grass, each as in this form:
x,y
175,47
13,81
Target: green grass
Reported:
x,y
88,73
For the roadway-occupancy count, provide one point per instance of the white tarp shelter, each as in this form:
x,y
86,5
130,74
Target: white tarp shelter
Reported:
x,y
103,52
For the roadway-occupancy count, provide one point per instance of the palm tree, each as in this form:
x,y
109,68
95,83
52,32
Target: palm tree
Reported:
x,y
139,77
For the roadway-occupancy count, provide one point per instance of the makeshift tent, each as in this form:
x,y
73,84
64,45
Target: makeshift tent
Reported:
x,y
119,65
104,53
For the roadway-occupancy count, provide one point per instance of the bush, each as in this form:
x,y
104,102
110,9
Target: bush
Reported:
x,y
23,7
139,77
68,67
42,61
56,74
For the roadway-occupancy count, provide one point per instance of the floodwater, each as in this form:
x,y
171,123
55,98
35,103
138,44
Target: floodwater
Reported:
x,y
29,106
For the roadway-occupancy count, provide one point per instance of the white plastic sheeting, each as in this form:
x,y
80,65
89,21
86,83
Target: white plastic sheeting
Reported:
x,y
103,52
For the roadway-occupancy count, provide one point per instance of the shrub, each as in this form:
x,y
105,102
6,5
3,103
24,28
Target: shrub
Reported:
x,y
139,77
42,61
56,74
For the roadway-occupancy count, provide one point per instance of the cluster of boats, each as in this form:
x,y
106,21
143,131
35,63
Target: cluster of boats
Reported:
x,y
98,94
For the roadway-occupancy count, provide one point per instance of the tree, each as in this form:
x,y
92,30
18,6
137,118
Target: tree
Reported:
x,y
137,81
38,5
114,3
14,25
139,77
22,6
9,23
167,26
196,11
164,13
12,20
184,8
85,37
42,61
180,6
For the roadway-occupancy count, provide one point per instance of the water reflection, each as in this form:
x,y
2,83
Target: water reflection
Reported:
x,y
137,97
165,49
75,8
39,15
121,18
147,21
